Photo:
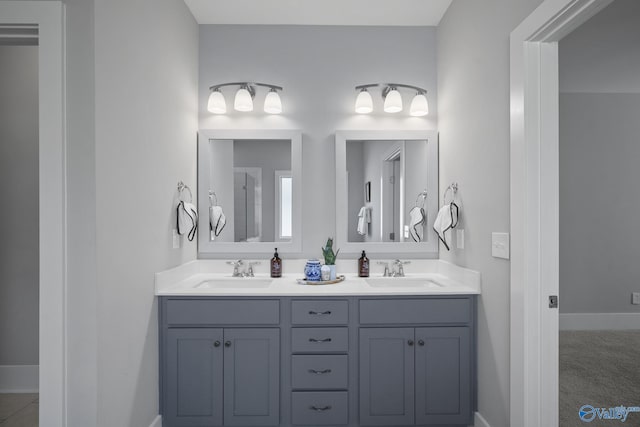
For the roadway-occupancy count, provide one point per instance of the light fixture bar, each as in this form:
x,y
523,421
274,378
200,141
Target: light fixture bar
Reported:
x,y
214,87
388,87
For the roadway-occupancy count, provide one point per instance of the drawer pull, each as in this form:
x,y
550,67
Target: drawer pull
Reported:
x,y
320,409
320,313
324,371
320,340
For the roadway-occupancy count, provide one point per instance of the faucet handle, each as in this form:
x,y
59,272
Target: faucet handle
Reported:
x,y
386,268
250,270
236,263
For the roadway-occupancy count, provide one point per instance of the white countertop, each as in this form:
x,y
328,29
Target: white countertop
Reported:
x,y
184,280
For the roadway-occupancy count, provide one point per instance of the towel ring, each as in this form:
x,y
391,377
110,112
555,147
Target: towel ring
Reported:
x,y
213,199
181,188
422,195
454,189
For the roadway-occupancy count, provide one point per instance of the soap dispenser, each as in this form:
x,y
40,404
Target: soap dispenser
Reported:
x,y
363,265
276,265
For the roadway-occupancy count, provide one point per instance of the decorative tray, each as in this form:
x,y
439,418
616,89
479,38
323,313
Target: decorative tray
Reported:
x,y
320,282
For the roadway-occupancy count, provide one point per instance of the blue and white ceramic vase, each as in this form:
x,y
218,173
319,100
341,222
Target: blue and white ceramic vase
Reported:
x,y
312,270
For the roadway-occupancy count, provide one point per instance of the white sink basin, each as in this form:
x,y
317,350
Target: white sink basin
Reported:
x,y
234,283
403,282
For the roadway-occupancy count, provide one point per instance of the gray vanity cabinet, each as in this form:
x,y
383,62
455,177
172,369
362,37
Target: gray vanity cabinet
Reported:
x,y
330,361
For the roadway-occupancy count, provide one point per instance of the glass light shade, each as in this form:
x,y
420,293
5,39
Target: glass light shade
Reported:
x,y
243,101
364,103
393,102
419,105
217,104
272,103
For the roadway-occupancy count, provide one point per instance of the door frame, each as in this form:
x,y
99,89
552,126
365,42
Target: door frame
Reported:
x,y
49,16
535,206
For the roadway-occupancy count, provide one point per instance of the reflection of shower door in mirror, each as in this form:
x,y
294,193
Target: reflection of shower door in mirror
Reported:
x,y
247,204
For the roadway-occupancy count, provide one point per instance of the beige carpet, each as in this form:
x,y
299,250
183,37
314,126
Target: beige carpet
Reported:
x,y
602,369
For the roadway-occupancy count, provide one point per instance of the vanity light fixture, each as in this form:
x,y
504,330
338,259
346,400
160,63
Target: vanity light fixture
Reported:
x,y
244,96
392,99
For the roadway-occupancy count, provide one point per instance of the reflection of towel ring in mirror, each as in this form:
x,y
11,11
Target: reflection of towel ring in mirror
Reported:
x,y
213,199
181,187
422,195
454,189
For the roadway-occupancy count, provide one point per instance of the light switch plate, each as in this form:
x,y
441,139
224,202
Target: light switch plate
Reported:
x,y
635,298
460,238
500,245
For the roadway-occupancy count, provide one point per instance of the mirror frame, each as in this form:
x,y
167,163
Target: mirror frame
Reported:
x,y
208,249
427,249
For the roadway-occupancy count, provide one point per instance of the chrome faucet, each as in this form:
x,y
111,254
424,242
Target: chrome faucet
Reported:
x,y
236,267
399,270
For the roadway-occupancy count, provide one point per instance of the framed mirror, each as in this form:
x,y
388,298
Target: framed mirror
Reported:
x,y
387,192
249,191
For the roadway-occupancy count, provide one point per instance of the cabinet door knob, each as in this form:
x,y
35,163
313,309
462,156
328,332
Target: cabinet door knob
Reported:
x,y
216,344
421,343
410,342
227,343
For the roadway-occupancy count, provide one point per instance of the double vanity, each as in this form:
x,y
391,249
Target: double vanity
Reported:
x,y
378,351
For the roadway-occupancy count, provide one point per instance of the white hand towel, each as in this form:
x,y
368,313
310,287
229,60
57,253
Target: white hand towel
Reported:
x,y
364,219
446,219
417,218
217,220
187,222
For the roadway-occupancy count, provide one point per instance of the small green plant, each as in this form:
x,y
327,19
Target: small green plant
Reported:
x,y
327,252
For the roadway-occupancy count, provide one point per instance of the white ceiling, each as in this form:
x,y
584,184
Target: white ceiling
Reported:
x,y
319,12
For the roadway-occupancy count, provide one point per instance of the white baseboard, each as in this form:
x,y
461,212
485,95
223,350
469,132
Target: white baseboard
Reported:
x,y
18,378
157,422
479,421
599,321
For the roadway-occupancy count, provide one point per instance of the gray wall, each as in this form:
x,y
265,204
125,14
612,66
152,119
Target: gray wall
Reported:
x,y
599,202
473,93
146,74
599,152
19,214
319,68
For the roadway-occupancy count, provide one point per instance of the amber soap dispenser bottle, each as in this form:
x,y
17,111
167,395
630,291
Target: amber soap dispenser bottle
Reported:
x,y
276,265
363,265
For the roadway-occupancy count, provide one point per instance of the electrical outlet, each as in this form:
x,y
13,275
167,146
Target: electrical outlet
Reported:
x,y
460,238
635,298
176,239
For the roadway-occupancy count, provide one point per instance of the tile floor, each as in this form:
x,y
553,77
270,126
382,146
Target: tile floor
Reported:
x,y
19,410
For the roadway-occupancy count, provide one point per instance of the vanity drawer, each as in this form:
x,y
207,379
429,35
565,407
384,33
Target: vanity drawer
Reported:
x,y
434,310
324,372
199,311
319,340
319,408
319,312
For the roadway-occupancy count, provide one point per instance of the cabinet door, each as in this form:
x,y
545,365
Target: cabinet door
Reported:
x,y
443,375
251,377
386,376
193,375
